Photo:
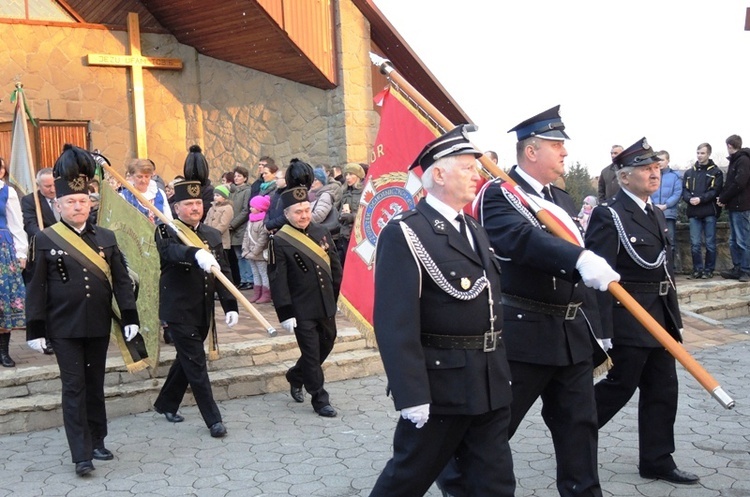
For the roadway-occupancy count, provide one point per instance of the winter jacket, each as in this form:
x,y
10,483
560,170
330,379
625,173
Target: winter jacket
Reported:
x,y
240,203
350,196
669,192
255,241
704,182
736,192
218,217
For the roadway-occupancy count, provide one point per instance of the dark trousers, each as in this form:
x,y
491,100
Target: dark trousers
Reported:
x,y
568,410
652,371
82,364
234,266
478,444
189,368
315,339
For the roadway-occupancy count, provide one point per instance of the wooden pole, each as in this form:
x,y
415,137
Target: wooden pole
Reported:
x,y
214,270
643,317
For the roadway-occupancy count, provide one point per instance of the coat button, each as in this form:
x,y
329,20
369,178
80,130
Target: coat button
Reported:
x,y
88,295
85,278
437,363
85,270
562,271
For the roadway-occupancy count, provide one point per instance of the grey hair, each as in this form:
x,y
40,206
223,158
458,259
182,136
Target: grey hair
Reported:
x,y
428,178
625,171
42,172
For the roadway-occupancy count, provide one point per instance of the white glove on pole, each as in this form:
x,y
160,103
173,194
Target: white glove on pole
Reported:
x,y
131,331
417,414
289,324
231,318
595,271
38,344
605,343
205,260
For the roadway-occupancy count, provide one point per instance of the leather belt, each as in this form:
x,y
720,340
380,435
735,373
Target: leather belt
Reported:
x,y
659,287
568,311
486,342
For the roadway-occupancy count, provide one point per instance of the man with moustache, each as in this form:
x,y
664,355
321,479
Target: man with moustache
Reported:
x,y
632,236
186,303
78,268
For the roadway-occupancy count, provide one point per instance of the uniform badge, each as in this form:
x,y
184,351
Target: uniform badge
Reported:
x,y
53,252
439,224
633,239
465,283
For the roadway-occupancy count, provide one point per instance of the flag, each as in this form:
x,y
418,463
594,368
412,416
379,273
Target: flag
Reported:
x,y
21,167
135,238
390,188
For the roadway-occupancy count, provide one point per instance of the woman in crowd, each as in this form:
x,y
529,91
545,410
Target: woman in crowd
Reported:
x,y
140,173
13,248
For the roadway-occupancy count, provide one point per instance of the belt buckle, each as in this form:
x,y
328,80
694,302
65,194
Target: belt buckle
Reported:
x,y
663,288
571,311
490,341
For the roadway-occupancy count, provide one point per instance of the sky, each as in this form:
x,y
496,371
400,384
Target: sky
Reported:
x,y
673,71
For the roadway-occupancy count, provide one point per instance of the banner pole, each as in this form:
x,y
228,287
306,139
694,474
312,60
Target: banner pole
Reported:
x,y
659,333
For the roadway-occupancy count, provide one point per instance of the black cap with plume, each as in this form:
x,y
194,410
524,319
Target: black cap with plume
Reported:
x,y
196,166
299,174
73,170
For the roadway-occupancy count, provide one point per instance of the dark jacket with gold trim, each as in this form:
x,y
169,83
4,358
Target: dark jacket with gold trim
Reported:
x,y
300,287
648,240
66,300
539,266
186,292
408,303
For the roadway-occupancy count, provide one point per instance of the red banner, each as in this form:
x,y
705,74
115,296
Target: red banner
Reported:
x,y
389,188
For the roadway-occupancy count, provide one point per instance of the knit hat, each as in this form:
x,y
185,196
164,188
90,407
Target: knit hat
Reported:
x,y
355,169
222,190
261,202
320,175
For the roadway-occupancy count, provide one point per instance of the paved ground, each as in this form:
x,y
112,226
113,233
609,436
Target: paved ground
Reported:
x,y
277,447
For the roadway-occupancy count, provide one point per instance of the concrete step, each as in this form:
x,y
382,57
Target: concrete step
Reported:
x,y
31,397
720,308
693,291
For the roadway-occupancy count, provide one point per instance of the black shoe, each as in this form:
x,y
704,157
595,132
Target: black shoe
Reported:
x,y
744,278
675,476
84,468
708,275
6,360
102,454
172,417
696,275
327,411
297,393
167,337
48,349
218,430
731,274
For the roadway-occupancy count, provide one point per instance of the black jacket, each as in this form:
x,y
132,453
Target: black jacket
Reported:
x,y
28,208
648,239
736,192
408,304
704,182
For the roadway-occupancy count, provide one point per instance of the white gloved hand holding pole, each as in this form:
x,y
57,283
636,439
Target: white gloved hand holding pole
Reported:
x,y
595,271
130,331
289,324
206,260
417,414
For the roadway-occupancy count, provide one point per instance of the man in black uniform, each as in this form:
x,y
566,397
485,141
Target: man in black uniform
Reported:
x,y
437,320
186,303
631,235
548,314
46,195
305,276
77,269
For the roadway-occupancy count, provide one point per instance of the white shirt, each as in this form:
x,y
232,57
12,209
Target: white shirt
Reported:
x,y
448,213
15,222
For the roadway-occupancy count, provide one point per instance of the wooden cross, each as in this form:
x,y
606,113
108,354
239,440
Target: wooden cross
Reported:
x,y
136,62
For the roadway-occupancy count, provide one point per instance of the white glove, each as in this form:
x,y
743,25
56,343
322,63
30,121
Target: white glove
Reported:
x,y
231,318
595,271
417,414
131,331
38,344
605,343
205,260
289,324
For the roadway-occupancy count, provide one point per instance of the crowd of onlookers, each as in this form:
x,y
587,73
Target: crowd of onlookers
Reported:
x,y
705,190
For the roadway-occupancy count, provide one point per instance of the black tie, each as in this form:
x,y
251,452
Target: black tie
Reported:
x,y
650,212
547,195
462,225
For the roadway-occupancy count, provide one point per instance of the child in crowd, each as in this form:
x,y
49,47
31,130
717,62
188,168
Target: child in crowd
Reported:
x,y
220,214
255,248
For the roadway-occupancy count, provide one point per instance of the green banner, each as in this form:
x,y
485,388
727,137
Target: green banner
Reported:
x,y
135,236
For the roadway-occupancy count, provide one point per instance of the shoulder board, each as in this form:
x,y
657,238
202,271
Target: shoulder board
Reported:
x,y
402,216
163,231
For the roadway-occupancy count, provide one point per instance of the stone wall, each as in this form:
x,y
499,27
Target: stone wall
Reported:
x,y
684,261
236,114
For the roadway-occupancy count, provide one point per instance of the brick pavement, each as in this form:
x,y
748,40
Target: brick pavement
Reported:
x,y
277,447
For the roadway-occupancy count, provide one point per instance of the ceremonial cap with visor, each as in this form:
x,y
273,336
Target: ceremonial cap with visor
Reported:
x,y
547,125
638,154
454,142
